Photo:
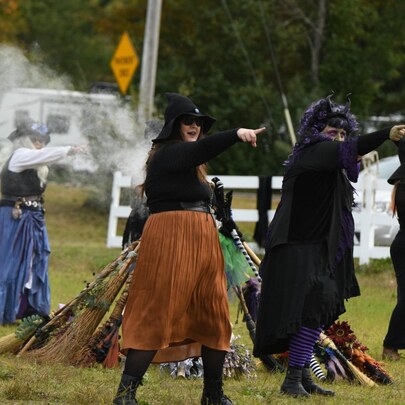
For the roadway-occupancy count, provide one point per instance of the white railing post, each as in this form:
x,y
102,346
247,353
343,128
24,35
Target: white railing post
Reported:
x,y
116,210
366,218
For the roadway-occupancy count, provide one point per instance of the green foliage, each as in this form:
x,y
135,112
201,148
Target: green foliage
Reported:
x,y
28,326
376,266
11,21
221,54
66,35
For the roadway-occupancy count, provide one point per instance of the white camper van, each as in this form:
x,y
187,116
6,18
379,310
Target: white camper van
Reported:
x,y
68,114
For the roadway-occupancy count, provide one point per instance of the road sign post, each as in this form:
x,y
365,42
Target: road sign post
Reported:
x,y
124,62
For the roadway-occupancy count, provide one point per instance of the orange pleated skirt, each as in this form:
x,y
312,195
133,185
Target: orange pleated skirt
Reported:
x,y
178,299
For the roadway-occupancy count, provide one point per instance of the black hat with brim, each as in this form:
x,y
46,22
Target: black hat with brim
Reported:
x,y
400,172
178,106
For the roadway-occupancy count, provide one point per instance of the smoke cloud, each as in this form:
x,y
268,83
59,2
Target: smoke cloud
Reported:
x,y
116,140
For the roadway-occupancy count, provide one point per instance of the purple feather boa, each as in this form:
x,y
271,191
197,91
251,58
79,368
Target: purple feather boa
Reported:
x,y
313,123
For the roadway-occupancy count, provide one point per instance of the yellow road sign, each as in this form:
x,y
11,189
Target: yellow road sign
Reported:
x,y
124,62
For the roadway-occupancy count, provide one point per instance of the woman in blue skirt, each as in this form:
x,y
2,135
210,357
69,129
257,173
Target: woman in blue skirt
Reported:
x,y
24,245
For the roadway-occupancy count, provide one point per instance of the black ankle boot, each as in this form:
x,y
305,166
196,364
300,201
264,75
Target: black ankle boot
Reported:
x,y
311,387
127,390
213,394
292,384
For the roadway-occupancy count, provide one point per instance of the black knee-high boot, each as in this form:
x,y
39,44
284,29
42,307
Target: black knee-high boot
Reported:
x,y
213,393
127,390
310,386
292,384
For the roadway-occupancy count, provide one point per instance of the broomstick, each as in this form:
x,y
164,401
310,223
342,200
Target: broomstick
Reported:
x,y
345,339
369,366
229,228
60,317
252,254
316,368
11,343
27,331
357,374
102,344
251,326
268,360
65,345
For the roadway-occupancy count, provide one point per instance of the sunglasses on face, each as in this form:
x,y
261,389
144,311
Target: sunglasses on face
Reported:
x,y
190,119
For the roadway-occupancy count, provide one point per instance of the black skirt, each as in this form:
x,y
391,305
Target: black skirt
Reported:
x,y
300,289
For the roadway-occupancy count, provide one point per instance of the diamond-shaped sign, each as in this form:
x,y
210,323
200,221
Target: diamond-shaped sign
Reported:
x,y
124,62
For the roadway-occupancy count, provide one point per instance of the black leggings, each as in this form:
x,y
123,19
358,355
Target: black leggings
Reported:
x,y
138,361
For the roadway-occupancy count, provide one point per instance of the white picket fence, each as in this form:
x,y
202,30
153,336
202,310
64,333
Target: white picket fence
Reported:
x,y
366,219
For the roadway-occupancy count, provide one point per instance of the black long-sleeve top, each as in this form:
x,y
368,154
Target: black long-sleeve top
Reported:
x,y
171,174
367,143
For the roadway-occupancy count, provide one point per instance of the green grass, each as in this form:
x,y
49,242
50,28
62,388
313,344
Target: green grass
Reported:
x,y
78,237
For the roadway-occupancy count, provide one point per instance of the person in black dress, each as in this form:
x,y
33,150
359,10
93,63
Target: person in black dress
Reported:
x,y
395,337
308,268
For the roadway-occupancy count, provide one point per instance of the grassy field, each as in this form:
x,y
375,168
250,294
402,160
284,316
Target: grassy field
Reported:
x,y
78,235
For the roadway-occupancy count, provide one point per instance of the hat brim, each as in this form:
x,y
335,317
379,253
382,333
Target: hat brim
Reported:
x,y
13,136
397,175
167,129
18,134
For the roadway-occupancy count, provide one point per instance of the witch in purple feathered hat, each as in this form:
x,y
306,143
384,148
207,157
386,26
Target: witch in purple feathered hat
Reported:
x,y
319,123
308,269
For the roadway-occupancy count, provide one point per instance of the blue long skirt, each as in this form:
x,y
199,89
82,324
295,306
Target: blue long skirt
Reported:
x,y
24,251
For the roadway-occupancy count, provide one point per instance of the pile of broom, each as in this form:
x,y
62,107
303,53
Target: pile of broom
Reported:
x,y
83,331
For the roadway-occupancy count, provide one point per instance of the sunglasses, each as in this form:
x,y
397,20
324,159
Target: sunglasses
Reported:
x,y
190,119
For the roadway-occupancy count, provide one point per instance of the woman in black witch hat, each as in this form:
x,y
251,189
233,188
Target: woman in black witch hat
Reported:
x,y
177,306
308,271
395,337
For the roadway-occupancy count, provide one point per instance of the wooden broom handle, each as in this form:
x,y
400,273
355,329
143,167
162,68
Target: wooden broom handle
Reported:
x,y
252,254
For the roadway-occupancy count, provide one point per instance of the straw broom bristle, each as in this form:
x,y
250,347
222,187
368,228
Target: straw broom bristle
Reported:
x,y
10,343
87,355
65,347
61,317
360,376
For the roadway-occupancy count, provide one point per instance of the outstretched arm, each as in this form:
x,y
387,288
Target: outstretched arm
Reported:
x,y
369,142
184,155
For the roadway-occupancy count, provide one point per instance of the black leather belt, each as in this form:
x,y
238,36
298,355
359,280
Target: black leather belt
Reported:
x,y
200,206
195,206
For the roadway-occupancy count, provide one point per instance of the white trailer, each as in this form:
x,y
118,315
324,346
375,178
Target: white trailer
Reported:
x,y
70,115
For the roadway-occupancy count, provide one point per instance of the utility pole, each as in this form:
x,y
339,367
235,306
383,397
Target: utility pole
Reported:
x,y
149,61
